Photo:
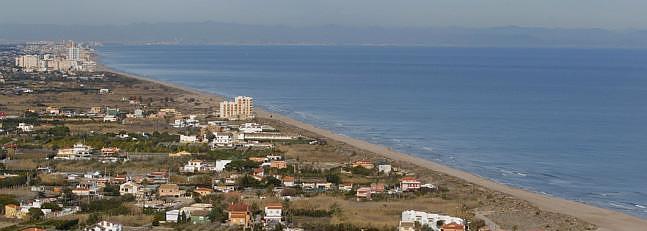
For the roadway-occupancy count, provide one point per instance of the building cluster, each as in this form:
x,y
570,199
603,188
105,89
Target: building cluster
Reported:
x,y
234,161
436,222
84,152
221,134
62,57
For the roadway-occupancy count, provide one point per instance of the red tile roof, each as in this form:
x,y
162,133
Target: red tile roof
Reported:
x,y
239,207
409,179
274,206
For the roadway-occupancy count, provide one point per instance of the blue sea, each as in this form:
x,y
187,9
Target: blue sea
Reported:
x,y
566,122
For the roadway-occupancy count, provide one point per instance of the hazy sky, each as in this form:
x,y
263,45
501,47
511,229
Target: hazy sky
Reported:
x,y
614,14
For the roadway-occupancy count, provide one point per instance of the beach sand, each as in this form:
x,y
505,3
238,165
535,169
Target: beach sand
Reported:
x,y
604,219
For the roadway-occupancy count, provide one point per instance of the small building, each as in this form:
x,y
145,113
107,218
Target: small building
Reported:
x,y
34,229
377,187
77,152
363,193
407,226
347,187
221,164
260,172
25,127
110,118
367,164
273,213
453,227
200,217
279,164
257,159
94,110
384,168
250,128
409,184
203,191
179,154
195,166
188,139
222,139
288,181
105,226
130,188
172,215
110,151
104,91
14,211
169,190
239,214
157,177
433,220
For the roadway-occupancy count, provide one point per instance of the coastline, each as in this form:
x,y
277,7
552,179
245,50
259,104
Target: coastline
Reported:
x,y
603,218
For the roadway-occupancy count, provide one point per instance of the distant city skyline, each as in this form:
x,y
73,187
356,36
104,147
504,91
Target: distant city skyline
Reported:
x,y
619,14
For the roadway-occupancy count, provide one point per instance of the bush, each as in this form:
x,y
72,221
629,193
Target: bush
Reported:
x,y
59,131
36,213
65,224
13,181
310,212
113,206
52,206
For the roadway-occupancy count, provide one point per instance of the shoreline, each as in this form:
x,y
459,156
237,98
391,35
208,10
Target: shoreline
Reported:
x,y
604,219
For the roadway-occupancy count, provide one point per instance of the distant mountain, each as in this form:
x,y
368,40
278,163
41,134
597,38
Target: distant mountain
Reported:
x,y
228,33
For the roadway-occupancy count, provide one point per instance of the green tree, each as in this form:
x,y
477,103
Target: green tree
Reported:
x,y
333,178
217,214
59,131
36,213
182,218
93,219
52,206
272,181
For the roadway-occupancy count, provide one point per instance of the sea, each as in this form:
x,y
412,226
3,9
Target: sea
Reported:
x,y
565,122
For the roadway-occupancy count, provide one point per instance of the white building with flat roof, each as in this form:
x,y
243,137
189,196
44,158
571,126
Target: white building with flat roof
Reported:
x,y
221,164
222,139
429,219
105,226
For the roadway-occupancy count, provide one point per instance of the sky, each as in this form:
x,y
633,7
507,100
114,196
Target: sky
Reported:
x,y
605,14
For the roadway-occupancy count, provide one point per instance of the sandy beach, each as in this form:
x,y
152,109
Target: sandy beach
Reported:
x,y
606,220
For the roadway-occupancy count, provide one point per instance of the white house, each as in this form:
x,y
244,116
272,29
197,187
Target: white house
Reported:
x,y
190,122
222,139
384,168
139,113
221,164
105,226
78,152
109,118
273,213
129,188
172,215
25,127
250,128
429,219
188,139
195,166
409,184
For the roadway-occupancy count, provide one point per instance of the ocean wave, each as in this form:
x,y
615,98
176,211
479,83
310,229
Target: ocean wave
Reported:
x,y
620,206
427,148
506,172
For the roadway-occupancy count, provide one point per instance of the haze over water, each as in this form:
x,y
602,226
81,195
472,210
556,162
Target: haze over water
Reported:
x,y
567,122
